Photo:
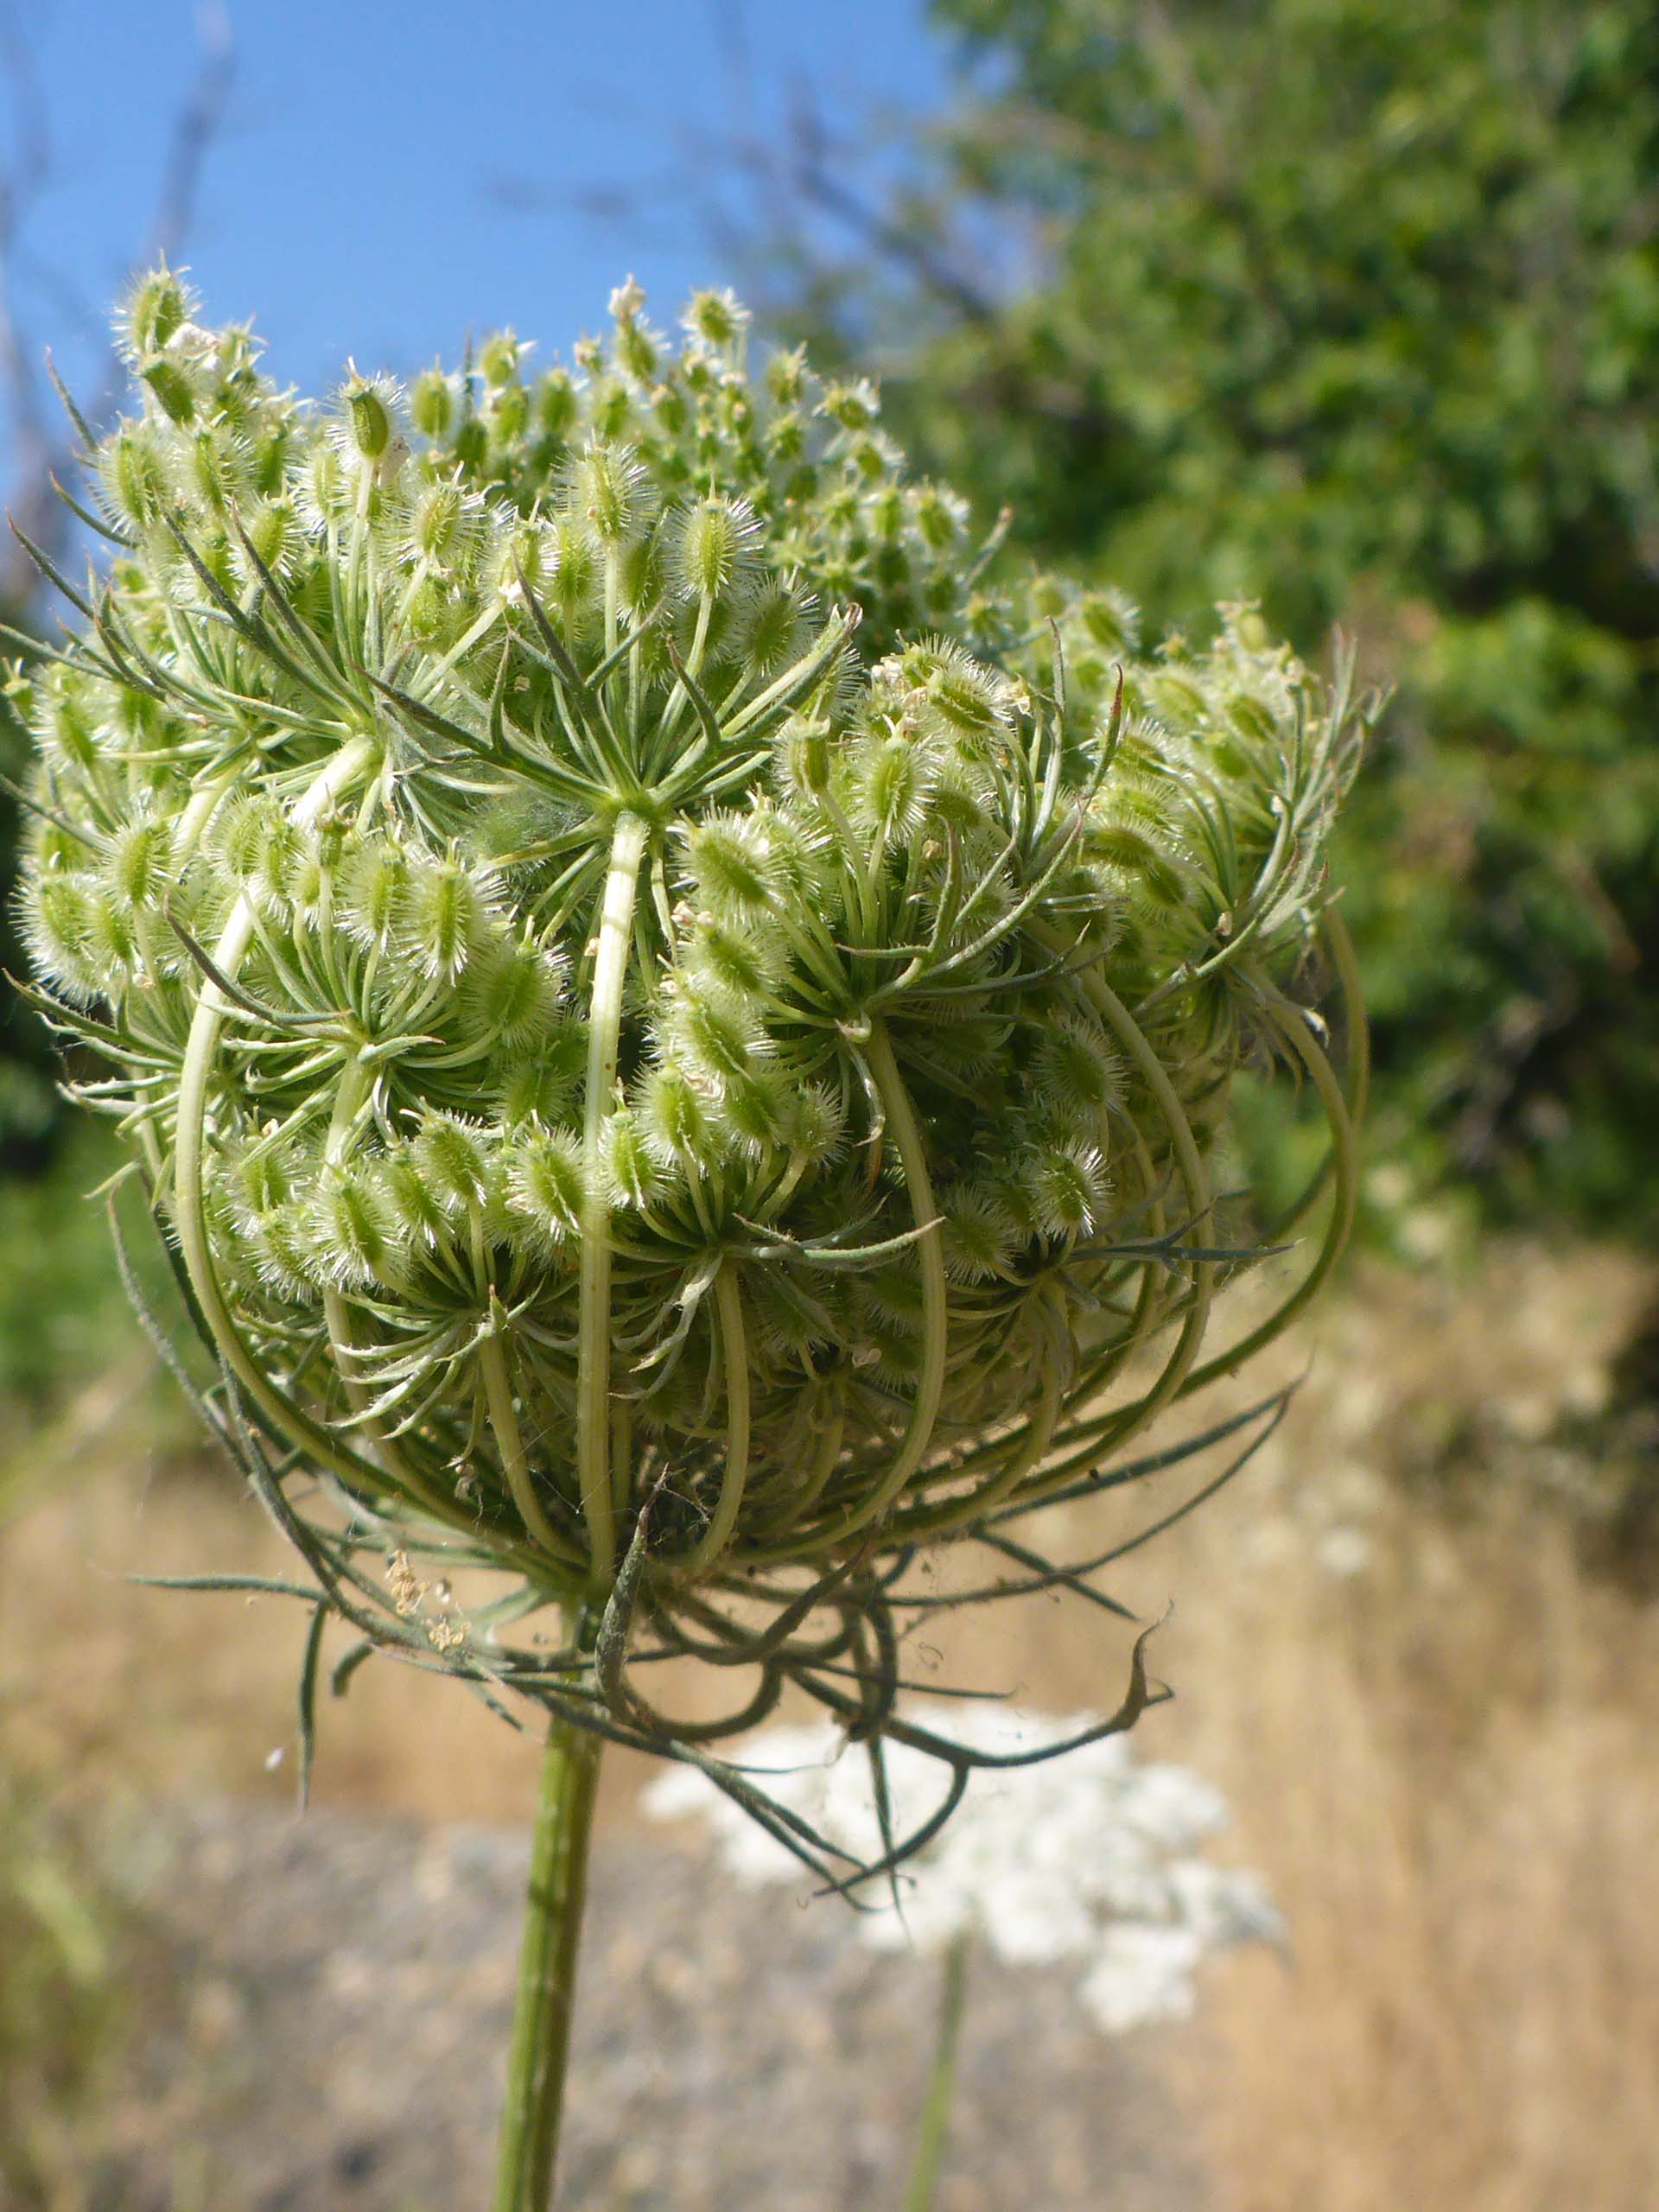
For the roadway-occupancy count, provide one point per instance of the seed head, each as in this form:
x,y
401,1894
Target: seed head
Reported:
x,y
654,996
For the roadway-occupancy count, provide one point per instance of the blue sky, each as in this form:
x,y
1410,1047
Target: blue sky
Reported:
x,y
389,176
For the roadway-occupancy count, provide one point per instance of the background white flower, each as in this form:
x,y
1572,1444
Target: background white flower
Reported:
x,y
1093,1857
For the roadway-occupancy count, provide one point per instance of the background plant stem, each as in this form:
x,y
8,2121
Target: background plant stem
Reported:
x,y
936,2112
547,1971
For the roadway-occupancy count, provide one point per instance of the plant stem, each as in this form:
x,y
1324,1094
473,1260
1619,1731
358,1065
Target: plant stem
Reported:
x,y
936,2112
929,1259
353,759
547,1971
612,940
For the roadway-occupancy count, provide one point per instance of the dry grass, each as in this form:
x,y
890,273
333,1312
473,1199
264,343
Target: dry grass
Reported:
x,y
1436,1731
1445,1761
1471,2018
1450,1775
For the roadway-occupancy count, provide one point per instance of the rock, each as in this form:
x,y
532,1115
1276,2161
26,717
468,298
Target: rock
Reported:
x,y
346,1987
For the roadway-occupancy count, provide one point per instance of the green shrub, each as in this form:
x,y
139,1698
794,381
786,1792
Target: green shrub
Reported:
x,y
62,1315
69,1991
1356,306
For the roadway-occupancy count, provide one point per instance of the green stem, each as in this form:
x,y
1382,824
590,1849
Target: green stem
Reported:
x,y
1291,1022
936,2112
547,1971
614,938
929,1259
509,1437
735,1353
336,778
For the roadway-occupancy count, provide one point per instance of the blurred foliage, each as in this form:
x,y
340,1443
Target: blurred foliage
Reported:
x,y
79,1967
1353,307
64,1317
79,1970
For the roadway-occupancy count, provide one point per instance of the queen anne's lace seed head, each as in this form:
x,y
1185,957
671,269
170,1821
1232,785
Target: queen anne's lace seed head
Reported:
x,y
634,972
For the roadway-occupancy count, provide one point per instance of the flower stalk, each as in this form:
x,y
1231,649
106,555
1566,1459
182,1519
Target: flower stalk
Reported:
x,y
539,2052
611,945
935,2125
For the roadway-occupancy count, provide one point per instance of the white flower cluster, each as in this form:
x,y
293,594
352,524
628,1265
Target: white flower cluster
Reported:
x,y
1094,1856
